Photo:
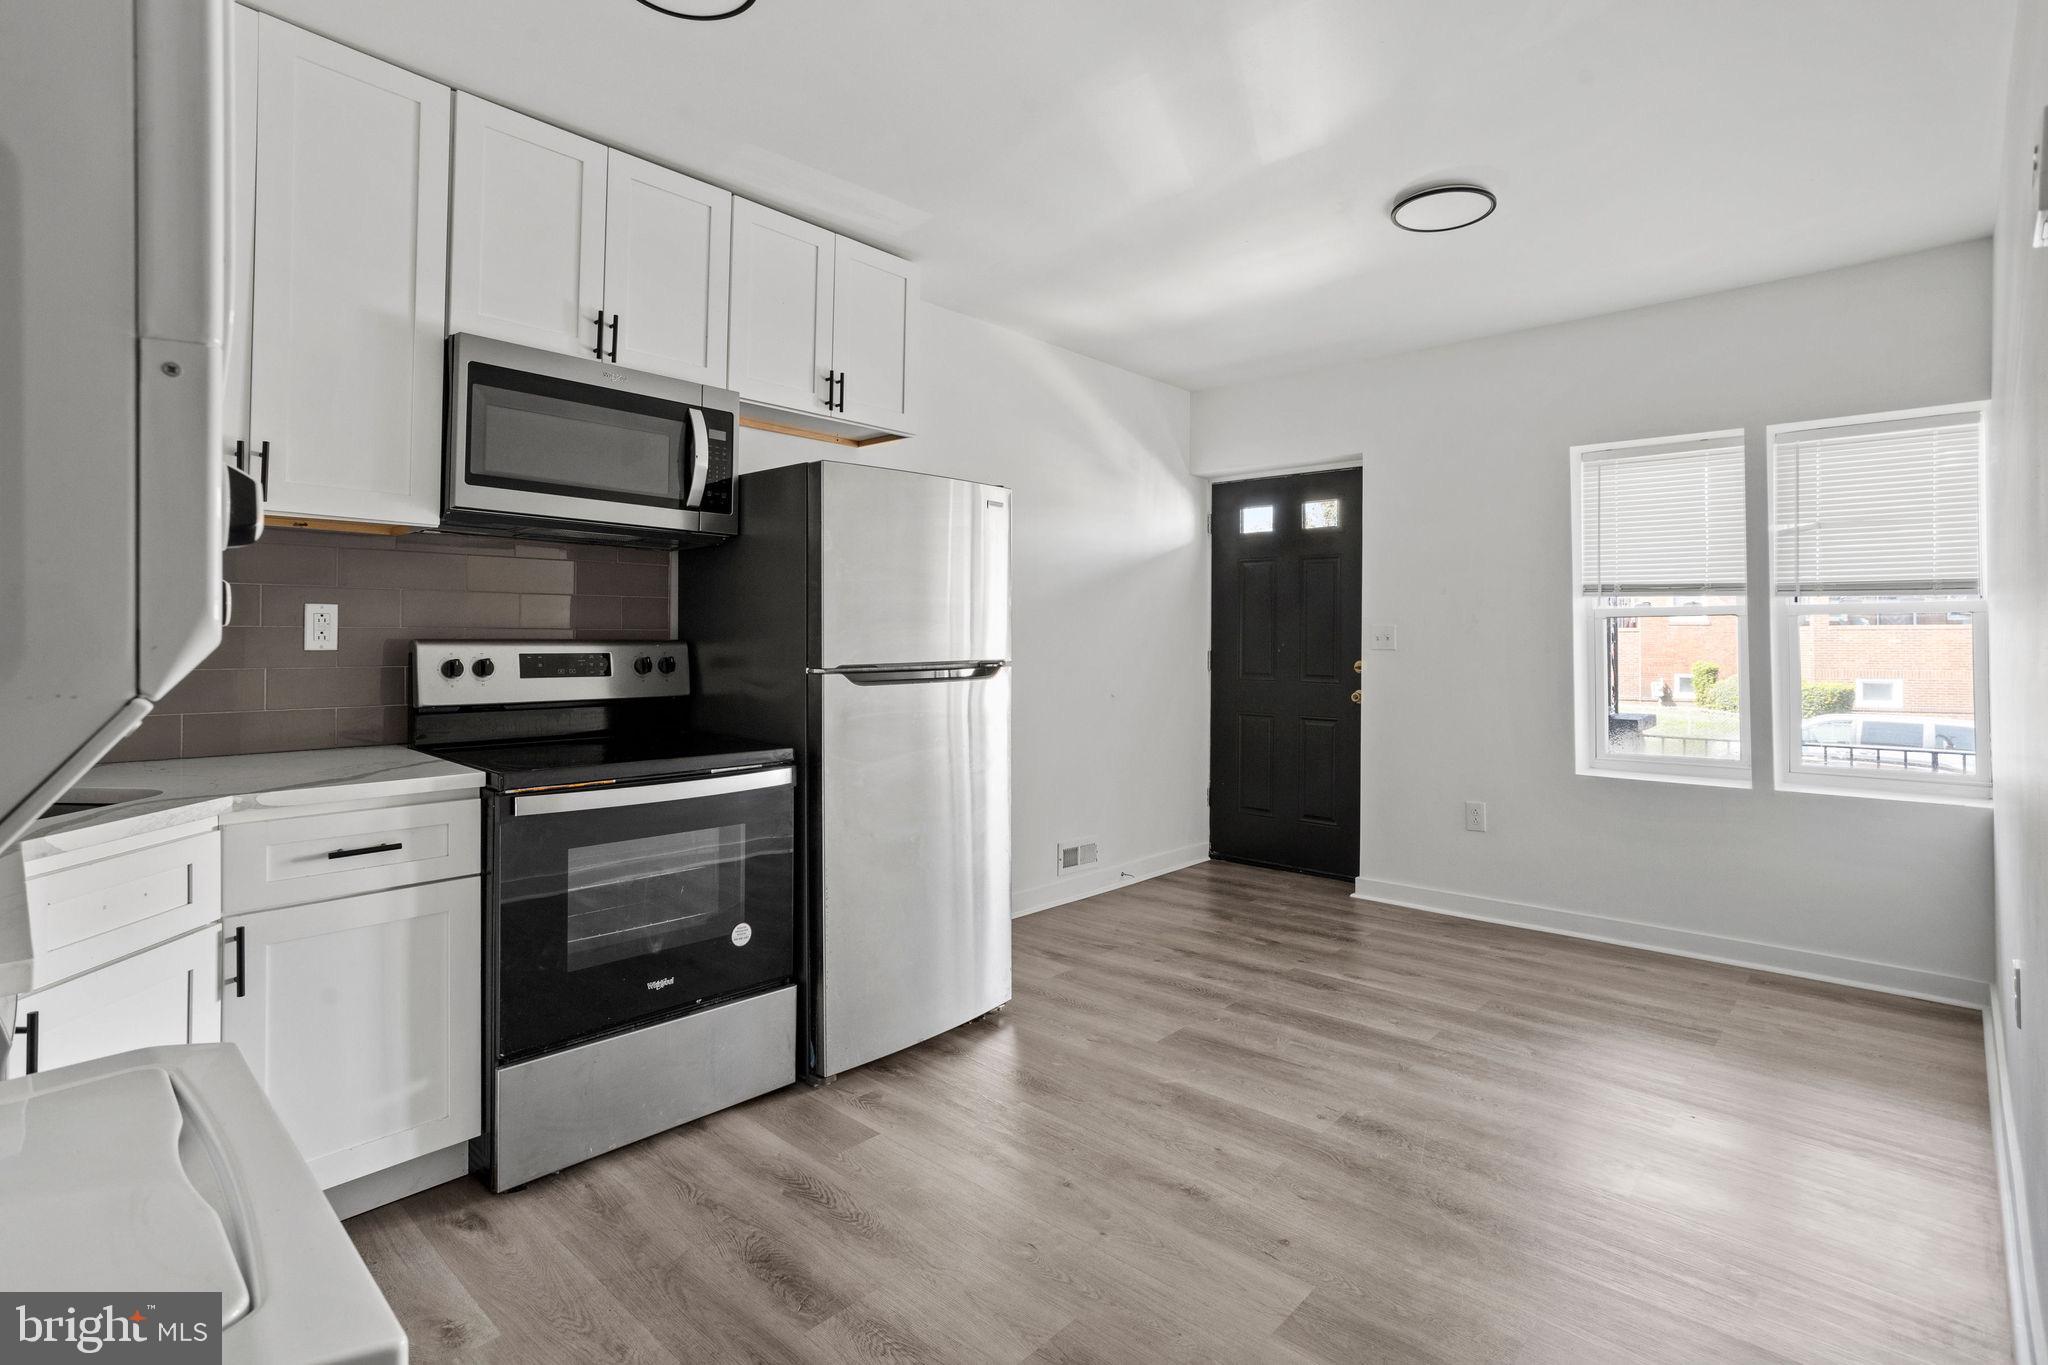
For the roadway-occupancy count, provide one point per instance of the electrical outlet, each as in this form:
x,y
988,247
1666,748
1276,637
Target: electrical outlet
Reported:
x,y
323,625
1385,635
1475,817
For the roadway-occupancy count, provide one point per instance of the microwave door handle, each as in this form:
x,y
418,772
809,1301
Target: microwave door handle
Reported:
x,y
700,460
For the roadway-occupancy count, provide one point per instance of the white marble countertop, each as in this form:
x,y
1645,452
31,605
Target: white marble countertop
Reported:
x,y
197,792
193,789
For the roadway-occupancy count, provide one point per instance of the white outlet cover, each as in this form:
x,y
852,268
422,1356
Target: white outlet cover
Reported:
x,y
323,625
1475,817
1385,635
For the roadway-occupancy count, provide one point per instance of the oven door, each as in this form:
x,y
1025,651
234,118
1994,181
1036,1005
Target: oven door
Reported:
x,y
617,905
547,440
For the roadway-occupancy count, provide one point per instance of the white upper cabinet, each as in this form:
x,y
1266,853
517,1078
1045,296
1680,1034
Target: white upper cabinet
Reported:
x,y
820,323
350,282
526,256
875,302
667,259
781,309
566,245
244,39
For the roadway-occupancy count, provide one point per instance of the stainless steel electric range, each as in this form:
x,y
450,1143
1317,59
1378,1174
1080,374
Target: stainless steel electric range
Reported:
x,y
641,926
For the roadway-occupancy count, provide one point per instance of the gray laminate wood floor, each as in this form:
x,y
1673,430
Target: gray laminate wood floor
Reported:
x,y
1234,1115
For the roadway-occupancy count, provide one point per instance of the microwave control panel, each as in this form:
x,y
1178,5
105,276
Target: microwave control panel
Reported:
x,y
718,480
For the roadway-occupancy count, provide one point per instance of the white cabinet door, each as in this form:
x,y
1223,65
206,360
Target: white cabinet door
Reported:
x,y
351,281
362,1019
781,308
243,45
526,248
875,297
168,994
667,264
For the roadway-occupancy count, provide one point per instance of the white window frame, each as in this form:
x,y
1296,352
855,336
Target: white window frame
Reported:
x,y
1589,674
1681,685
1793,774
1898,686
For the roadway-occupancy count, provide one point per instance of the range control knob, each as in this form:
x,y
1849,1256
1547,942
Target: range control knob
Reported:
x,y
667,664
643,665
483,668
451,668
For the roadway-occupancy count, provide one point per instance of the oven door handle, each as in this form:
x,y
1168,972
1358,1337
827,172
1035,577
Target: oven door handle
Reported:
x,y
688,789
700,461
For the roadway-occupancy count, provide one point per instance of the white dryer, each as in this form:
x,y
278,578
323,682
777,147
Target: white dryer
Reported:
x,y
166,1170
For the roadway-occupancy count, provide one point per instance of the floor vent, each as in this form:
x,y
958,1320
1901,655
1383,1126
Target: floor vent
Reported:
x,y
1074,857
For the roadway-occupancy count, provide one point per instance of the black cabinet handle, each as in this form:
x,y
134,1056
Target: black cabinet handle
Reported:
x,y
597,351
240,978
615,336
842,392
263,478
370,848
31,1032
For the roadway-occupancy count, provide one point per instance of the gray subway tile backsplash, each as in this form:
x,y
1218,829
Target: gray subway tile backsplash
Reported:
x,y
262,690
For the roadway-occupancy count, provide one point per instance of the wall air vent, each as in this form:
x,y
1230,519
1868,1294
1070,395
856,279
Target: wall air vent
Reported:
x,y
1075,856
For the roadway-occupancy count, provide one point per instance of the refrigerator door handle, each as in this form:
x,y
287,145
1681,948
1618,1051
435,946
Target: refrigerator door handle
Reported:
x,y
881,677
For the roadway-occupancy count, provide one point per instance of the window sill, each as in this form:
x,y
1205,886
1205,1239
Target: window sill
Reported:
x,y
1807,786
1737,780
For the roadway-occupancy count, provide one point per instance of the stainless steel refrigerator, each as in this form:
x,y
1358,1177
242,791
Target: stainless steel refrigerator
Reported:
x,y
862,616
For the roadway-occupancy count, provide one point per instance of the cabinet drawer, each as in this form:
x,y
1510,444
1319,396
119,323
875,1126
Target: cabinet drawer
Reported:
x,y
299,859
170,994
84,916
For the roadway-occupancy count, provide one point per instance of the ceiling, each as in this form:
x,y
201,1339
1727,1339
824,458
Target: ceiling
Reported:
x,y
1197,189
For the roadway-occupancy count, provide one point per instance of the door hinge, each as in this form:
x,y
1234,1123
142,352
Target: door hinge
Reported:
x,y
1207,794
1209,523
1211,662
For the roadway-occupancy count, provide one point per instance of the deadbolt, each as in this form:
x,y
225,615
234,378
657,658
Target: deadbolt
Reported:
x,y
1358,665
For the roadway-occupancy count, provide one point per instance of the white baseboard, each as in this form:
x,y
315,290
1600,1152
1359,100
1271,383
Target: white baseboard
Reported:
x,y
1082,885
1659,938
2029,1333
379,1188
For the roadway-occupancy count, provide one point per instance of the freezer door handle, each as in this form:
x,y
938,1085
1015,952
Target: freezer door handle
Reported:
x,y
882,677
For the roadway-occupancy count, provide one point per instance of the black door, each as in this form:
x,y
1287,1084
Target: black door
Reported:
x,y
1283,715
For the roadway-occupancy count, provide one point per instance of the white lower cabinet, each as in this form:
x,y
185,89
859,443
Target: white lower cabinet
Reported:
x,y
362,1019
166,995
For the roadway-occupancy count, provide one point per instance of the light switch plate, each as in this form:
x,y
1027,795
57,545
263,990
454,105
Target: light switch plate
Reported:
x,y
323,625
1385,635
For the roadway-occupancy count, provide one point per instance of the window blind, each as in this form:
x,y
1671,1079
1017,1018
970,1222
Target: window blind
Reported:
x,y
1660,520
1880,507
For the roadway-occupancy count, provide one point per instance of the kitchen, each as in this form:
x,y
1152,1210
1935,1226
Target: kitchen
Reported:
x,y
616,667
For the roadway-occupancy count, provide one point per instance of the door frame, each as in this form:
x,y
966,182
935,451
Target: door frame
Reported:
x,y
1252,474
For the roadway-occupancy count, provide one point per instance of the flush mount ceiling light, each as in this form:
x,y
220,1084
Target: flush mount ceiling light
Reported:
x,y
1442,208
700,9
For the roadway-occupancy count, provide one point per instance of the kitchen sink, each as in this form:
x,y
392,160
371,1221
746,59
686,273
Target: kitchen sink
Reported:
x,y
96,798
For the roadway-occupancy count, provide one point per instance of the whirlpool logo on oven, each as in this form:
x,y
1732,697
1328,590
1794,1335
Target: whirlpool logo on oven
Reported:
x,y
662,984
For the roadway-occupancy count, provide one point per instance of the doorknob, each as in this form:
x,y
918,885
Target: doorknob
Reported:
x,y
1357,697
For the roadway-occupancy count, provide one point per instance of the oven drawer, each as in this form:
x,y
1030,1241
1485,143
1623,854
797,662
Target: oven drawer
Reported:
x,y
303,858
568,1106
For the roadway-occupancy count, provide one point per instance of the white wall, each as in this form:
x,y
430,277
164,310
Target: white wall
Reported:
x,y
1467,550
1109,589
2019,651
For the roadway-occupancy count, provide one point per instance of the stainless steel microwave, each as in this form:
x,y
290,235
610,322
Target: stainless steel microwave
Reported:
x,y
582,449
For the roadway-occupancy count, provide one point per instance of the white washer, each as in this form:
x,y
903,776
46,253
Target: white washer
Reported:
x,y
165,1169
